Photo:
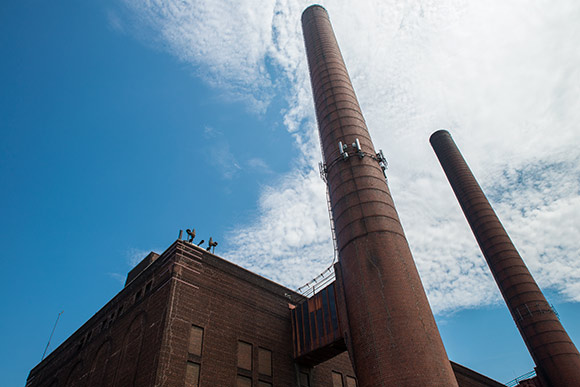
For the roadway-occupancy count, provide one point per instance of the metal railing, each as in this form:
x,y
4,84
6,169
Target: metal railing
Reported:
x,y
318,282
516,381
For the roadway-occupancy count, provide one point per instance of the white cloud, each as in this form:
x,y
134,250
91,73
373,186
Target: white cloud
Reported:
x,y
289,241
502,76
225,41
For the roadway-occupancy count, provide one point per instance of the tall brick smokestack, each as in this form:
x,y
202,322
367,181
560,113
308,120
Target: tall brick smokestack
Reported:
x,y
392,336
556,357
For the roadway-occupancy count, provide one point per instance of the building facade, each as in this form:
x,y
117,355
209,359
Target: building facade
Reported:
x,y
189,318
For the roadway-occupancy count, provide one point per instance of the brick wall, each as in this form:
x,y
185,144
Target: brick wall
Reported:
x,y
232,304
144,335
141,337
119,345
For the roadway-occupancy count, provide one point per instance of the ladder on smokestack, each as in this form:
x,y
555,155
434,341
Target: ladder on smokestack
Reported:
x,y
322,169
309,289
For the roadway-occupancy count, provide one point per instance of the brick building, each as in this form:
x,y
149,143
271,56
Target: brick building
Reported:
x,y
184,316
188,318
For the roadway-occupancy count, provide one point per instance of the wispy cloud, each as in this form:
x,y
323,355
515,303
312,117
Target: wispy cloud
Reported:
x,y
225,41
503,76
115,21
219,153
259,165
117,277
134,255
289,241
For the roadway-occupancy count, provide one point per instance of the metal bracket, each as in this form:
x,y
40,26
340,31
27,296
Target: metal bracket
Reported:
x,y
356,145
322,170
342,148
383,163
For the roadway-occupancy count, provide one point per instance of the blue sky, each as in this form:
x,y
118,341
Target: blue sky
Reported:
x,y
122,122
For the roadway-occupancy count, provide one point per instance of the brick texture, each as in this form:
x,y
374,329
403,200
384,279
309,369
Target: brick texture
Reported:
x,y
385,301
556,357
142,336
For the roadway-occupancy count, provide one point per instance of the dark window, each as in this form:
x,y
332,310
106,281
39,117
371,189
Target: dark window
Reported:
x,y
138,295
304,379
244,381
195,340
261,383
264,361
148,287
192,374
244,356
337,379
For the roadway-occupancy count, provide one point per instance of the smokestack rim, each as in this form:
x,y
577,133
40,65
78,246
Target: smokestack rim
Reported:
x,y
438,135
311,8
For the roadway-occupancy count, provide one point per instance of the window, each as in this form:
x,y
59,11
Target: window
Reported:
x,y
304,379
350,381
264,384
194,364
195,340
264,361
192,374
337,379
244,381
244,356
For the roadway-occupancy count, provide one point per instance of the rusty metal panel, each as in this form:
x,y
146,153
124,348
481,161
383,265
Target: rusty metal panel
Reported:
x,y
316,329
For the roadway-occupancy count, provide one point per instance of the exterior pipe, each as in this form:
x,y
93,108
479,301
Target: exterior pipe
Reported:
x,y
556,357
392,337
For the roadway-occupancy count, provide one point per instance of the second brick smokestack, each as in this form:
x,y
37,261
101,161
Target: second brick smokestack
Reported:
x,y
392,336
555,355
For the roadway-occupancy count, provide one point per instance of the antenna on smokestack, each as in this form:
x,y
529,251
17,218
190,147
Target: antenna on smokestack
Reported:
x,y
356,145
342,148
382,162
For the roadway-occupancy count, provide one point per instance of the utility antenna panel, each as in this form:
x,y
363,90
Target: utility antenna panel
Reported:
x,y
51,333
